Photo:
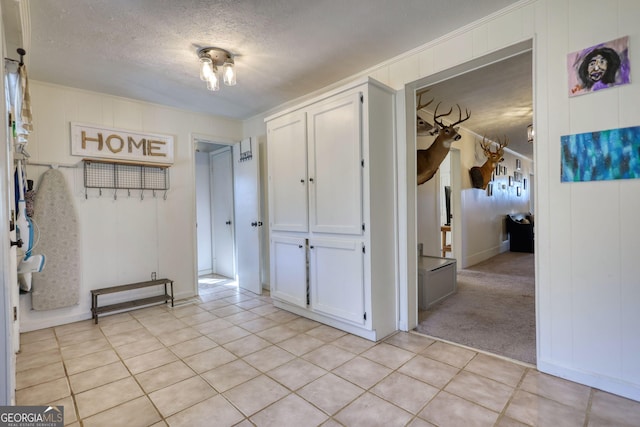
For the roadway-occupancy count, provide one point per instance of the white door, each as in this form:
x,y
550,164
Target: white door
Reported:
x,y
336,278
287,154
222,213
248,225
289,269
335,166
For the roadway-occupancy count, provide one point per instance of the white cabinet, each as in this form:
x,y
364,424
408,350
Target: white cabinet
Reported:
x,y
331,183
289,270
287,153
336,278
334,161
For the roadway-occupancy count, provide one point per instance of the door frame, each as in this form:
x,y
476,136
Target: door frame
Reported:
x,y
406,147
196,139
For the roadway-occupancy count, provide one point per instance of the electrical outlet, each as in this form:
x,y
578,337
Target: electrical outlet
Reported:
x,y
153,275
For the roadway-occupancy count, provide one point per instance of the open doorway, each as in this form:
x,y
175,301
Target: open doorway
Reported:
x,y
214,216
229,225
491,304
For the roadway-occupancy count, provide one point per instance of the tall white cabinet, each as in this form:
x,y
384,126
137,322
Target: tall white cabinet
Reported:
x,y
332,209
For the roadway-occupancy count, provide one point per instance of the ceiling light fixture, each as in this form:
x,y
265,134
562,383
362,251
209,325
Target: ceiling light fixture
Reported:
x,y
530,133
210,59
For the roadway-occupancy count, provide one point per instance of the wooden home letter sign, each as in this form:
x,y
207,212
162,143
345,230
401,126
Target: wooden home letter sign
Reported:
x,y
103,143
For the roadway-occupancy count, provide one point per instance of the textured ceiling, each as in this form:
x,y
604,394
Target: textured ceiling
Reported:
x,y
146,49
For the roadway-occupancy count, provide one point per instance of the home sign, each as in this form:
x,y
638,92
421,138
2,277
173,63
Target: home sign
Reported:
x,y
91,141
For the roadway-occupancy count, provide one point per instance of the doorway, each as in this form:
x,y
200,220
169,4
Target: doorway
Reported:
x,y
228,223
214,216
478,218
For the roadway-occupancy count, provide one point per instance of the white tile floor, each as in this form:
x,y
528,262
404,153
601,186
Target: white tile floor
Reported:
x,y
231,358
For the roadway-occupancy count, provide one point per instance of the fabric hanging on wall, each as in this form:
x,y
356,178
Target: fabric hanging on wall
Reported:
x,y
24,124
58,285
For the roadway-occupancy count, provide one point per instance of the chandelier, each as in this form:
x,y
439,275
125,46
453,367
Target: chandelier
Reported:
x,y
216,64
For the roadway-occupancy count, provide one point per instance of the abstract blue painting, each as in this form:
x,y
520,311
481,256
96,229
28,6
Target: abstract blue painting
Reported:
x,y
600,156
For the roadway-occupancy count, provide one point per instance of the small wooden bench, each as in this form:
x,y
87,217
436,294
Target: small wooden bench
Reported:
x,y
96,309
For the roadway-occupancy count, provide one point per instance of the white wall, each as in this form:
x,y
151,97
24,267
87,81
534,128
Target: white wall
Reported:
x,y
203,214
122,240
587,274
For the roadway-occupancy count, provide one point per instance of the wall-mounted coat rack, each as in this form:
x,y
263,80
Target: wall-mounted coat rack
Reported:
x,y
105,174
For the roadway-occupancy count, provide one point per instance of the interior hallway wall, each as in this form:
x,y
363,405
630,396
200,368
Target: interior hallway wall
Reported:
x,y
122,240
587,294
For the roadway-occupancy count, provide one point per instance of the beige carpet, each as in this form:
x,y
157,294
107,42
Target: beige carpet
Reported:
x,y
493,309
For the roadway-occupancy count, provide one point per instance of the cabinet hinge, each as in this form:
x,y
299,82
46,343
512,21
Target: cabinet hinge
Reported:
x,y
362,162
362,99
363,250
15,314
363,226
365,315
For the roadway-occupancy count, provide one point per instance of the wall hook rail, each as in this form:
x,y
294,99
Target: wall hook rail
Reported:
x,y
120,176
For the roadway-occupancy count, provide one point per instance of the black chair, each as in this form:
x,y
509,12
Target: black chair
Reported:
x,y
520,230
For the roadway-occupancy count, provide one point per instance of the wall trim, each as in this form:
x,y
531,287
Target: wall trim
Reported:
x,y
598,381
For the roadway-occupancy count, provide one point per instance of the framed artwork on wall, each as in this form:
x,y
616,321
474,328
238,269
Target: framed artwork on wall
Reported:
x,y
599,67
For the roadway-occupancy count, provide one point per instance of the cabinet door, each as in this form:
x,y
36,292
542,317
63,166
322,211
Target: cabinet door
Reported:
x,y
287,159
336,278
335,169
289,270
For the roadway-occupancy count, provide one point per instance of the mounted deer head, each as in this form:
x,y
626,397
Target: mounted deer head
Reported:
x,y
423,127
428,161
481,175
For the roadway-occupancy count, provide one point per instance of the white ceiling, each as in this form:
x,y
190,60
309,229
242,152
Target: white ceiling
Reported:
x,y
146,49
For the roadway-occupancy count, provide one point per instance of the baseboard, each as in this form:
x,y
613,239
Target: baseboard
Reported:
x,y
481,256
598,381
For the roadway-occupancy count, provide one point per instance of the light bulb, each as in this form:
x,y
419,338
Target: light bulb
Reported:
x,y
206,68
228,73
213,82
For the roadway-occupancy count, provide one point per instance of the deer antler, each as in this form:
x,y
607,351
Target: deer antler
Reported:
x,y
486,146
460,119
420,104
436,116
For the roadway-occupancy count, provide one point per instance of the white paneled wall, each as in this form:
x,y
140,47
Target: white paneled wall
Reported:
x,y
587,269
123,240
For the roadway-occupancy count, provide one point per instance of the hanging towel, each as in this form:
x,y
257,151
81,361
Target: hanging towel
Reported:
x,y
24,124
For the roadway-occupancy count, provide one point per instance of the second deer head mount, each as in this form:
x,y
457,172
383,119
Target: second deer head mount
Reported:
x,y
428,161
481,175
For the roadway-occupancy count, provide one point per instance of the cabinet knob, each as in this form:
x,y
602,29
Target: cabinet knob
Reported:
x,y
310,179
311,247
300,246
228,222
302,181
